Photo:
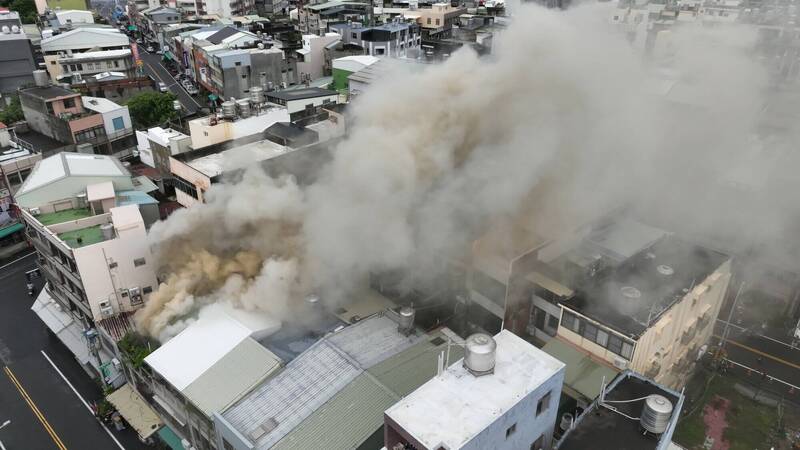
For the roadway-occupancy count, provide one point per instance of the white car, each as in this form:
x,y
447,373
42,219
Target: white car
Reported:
x,y
162,87
189,87
150,49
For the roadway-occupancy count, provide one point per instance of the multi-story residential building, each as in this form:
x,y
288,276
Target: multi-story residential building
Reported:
x,y
80,66
632,413
87,221
154,20
67,19
17,61
438,20
65,116
502,395
234,71
392,39
311,58
314,18
303,102
157,144
210,130
62,50
15,166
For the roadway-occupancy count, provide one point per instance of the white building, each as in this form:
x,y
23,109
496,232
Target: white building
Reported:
x,y
86,217
311,58
512,407
209,130
163,142
205,368
116,117
62,47
73,17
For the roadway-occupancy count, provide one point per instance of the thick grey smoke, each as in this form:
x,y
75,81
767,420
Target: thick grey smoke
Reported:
x,y
564,121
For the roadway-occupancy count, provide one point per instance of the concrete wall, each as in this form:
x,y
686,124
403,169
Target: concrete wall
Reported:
x,y
314,61
16,59
108,119
84,123
101,282
66,189
299,105
528,426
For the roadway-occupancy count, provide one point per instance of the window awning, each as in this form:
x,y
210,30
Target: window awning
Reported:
x,y
168,55
170,438
135,410
583,375
62,325
11,229
131,27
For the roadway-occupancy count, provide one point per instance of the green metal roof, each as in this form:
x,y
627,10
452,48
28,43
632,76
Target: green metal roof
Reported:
x,y
170,438
88,236
406,371
346,420
351,416
583,374
11,229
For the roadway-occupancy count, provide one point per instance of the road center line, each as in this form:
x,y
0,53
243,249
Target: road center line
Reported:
x,y
759,352
85,403
35,409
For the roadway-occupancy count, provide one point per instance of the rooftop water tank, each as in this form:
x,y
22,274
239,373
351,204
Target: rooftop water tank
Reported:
x,y
108,231
479,354
257,94
244,107
656,413
40,78
406,321
229,109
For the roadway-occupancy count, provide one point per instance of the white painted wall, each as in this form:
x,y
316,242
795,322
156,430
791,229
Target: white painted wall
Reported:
x,y
93,260
299,105
529,427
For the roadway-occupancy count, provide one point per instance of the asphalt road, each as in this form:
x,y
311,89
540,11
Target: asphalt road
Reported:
x,y
154,68
45,412
774,364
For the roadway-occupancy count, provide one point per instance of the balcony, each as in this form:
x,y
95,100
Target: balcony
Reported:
x,y
119,134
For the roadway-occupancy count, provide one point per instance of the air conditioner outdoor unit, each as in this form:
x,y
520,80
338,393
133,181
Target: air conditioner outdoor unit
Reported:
x,y
106,310
620,363
135,295
115,362
35,211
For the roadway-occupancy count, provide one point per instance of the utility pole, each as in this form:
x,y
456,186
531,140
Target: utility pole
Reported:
x,y
728,321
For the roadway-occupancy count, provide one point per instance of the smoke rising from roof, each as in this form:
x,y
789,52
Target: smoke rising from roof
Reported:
x,y
560,124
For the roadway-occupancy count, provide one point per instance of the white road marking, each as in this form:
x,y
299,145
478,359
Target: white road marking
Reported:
x,y
2,447
88,408
17,260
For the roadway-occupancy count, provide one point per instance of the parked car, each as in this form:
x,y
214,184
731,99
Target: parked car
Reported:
x,y
189,87
150,49
162,87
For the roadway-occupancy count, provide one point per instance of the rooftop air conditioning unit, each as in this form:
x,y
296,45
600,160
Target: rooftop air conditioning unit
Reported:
x,y
106,310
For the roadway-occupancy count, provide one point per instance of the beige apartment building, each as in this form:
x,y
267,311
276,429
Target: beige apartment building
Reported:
x,y
439,18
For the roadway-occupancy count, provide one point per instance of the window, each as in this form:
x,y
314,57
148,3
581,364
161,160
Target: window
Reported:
x,y
602,338
244,76
147,289
538,444
53,63
552,322
226,445
615,344
510,430
380,51
138,262
69,103
64,67
437,22
237,63
113,265
571,322
543,405
590,332
627,350
429,20
119,123
73,67
116,63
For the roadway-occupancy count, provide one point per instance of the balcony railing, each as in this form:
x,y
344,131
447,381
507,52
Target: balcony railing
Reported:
x,y
119,134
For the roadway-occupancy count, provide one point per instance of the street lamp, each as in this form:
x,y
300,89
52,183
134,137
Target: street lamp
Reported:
x,y
5,424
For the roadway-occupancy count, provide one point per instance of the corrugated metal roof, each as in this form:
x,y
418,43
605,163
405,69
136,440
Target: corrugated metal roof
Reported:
x,y
582,374
277,406
410,369
345,421
373,340
232,376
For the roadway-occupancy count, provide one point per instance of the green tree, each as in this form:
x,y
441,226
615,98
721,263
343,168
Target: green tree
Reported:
x,y
151,108
12,113
25,8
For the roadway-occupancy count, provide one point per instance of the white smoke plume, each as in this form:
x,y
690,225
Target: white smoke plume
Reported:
x,y
559,124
